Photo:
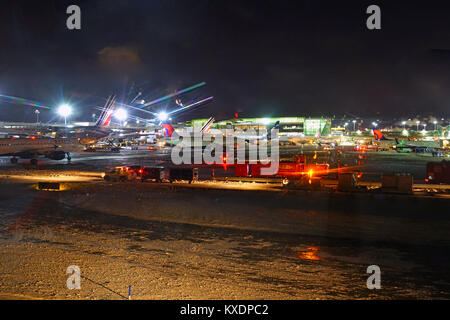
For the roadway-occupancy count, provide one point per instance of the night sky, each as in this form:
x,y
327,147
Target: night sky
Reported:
x,y
258,58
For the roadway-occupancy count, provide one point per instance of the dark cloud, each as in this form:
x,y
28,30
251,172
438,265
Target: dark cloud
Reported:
x,y
258,57
120,57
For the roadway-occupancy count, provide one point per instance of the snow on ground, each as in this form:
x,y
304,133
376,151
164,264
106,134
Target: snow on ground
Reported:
x,y
170,242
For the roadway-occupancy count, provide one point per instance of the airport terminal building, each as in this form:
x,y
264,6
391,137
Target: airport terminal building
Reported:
x,y
293,125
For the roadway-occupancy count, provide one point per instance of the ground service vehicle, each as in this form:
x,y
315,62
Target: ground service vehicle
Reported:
x,y
438,172
151,173
136,169
119,174
183,174
288,168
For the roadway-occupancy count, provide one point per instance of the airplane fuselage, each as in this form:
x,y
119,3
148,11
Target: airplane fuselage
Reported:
x,y
27,147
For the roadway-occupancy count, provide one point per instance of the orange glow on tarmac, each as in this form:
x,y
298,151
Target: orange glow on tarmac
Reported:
x,y
311,254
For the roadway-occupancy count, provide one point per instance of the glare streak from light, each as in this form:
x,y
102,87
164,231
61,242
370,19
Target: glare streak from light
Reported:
x,y
191,105
174,94
18,100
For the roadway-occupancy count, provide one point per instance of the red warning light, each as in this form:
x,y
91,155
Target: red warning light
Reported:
x,y
236,115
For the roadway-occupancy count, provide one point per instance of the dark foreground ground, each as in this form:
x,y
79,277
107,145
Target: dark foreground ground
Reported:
x,y
181,243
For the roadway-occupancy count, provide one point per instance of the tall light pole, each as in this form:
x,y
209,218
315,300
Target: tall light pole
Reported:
x,y
417,122
404,123
64,111
354,123
37,115
121,115
435,125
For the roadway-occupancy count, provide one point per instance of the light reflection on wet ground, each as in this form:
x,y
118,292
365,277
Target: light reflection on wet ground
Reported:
x,y
310,254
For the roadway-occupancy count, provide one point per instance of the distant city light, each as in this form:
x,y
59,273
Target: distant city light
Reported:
x,y
162,116
374,124
405,132
121,114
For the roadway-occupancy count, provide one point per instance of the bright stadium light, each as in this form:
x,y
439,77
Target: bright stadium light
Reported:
x,y
162,116
121,114
64,111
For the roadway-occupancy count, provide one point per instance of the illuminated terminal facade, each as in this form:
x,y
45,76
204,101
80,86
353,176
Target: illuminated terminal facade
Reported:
x,y
295,125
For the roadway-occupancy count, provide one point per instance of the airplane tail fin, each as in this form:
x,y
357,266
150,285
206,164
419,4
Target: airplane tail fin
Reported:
x,y
207,126
276,126
105,117
378,135
168,130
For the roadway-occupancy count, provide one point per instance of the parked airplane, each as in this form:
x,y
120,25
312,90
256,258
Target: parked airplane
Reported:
x,y
404,144
101,127
57,148
32,148
172,137
255,138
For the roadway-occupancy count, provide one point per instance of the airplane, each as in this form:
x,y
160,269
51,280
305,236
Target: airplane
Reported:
x,y
404,144
172,137
101,127
31,148
256,138
55,148
97,129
